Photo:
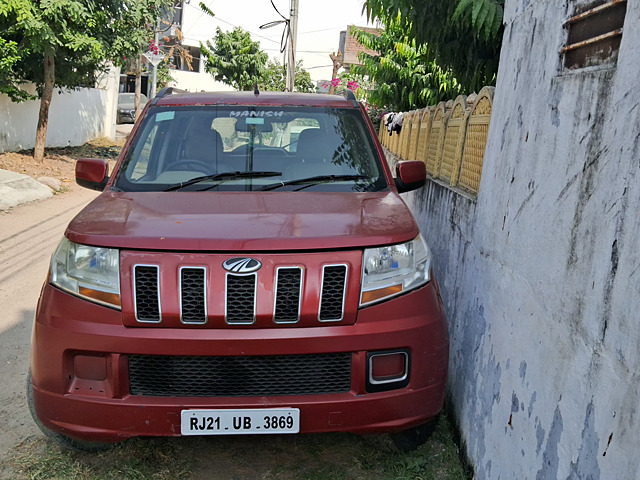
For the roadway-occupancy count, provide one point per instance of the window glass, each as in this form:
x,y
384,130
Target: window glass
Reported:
x,y
282,145
139,168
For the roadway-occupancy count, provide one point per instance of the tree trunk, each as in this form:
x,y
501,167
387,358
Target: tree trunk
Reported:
x,y
336,66
45,103
138,90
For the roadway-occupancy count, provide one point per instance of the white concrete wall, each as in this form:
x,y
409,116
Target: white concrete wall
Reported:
x,y
75,117
541,275
198,81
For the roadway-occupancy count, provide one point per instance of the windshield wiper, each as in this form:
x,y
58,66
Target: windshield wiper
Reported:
x,y
310,181
221,176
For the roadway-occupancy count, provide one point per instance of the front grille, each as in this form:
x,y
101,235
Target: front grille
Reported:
x,y
193,304
147,298
241,298
334,283
164,376
288,291
194,289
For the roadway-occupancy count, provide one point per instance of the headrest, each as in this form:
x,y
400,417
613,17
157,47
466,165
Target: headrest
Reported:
x,y
203,141
316,144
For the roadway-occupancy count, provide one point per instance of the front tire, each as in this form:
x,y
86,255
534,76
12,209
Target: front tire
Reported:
x,y
62,440
410,439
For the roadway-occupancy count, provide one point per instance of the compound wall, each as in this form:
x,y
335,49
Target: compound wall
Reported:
x,y
541,273
75,117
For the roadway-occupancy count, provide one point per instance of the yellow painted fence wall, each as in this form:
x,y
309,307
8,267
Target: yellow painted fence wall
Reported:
x,y
449,137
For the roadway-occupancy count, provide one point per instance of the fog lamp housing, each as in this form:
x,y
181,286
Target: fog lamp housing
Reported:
x,y
90,367
388,370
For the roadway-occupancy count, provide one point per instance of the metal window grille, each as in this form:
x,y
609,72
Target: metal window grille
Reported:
x,y
594,35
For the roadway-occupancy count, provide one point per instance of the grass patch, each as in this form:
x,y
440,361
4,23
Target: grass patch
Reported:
x,y
267,457
137,459
439,458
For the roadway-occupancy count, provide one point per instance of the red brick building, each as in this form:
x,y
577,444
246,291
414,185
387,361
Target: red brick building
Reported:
x,y
350,48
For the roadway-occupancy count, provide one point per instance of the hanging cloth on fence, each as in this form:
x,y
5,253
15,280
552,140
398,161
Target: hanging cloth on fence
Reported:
x,y
396,124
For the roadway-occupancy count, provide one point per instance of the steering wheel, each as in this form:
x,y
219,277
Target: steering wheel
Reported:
x,y
190,163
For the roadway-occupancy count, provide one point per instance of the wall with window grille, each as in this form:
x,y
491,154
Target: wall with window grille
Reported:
x,y
540,271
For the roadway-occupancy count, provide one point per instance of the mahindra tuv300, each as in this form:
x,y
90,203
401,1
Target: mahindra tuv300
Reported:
x,y
249,268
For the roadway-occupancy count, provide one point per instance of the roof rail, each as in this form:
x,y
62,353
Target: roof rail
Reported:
x,y
349,95
169,91
164,92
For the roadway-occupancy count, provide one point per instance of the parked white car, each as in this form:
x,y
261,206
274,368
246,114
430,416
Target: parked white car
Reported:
x,y
126,108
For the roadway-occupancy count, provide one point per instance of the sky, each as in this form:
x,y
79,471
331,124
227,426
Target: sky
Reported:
x,y
319,26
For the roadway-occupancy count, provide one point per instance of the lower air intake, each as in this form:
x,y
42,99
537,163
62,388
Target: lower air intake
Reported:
x,y
174,376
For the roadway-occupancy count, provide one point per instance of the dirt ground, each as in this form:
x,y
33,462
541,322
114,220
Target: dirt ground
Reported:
x,y
60,163
29,234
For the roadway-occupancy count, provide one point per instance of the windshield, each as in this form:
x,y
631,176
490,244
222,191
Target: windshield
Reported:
x,y
235,148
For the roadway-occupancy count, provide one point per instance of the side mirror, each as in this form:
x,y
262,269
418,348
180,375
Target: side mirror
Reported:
x,y
410,175
92,173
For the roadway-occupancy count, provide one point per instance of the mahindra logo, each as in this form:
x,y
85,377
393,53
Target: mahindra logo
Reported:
x,y
242,265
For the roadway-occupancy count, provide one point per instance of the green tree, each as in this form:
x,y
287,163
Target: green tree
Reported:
x,y
9,80
274,78
164,76
55,43
66,44
404,76
463,35
233,58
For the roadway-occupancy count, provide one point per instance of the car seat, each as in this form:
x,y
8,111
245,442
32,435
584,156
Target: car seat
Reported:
x,y
203,146
319,153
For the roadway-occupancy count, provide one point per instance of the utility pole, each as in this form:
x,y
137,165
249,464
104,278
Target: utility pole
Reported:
x,y
154,83
293,32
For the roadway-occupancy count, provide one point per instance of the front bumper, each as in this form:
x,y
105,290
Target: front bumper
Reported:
x,y
104,410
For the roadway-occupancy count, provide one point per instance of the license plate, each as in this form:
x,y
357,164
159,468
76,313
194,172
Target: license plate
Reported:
x,y
240,422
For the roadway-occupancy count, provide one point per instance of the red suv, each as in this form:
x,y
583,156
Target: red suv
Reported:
x,y
249,268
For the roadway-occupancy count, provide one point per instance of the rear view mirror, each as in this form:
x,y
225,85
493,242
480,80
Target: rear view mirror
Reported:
x,y
92,173
260,125
410,175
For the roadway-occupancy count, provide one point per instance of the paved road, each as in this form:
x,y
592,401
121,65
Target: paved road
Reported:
x,y
28,235
122,130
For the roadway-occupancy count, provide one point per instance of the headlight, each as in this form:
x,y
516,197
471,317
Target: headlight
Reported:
x,y
89,272
391,270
